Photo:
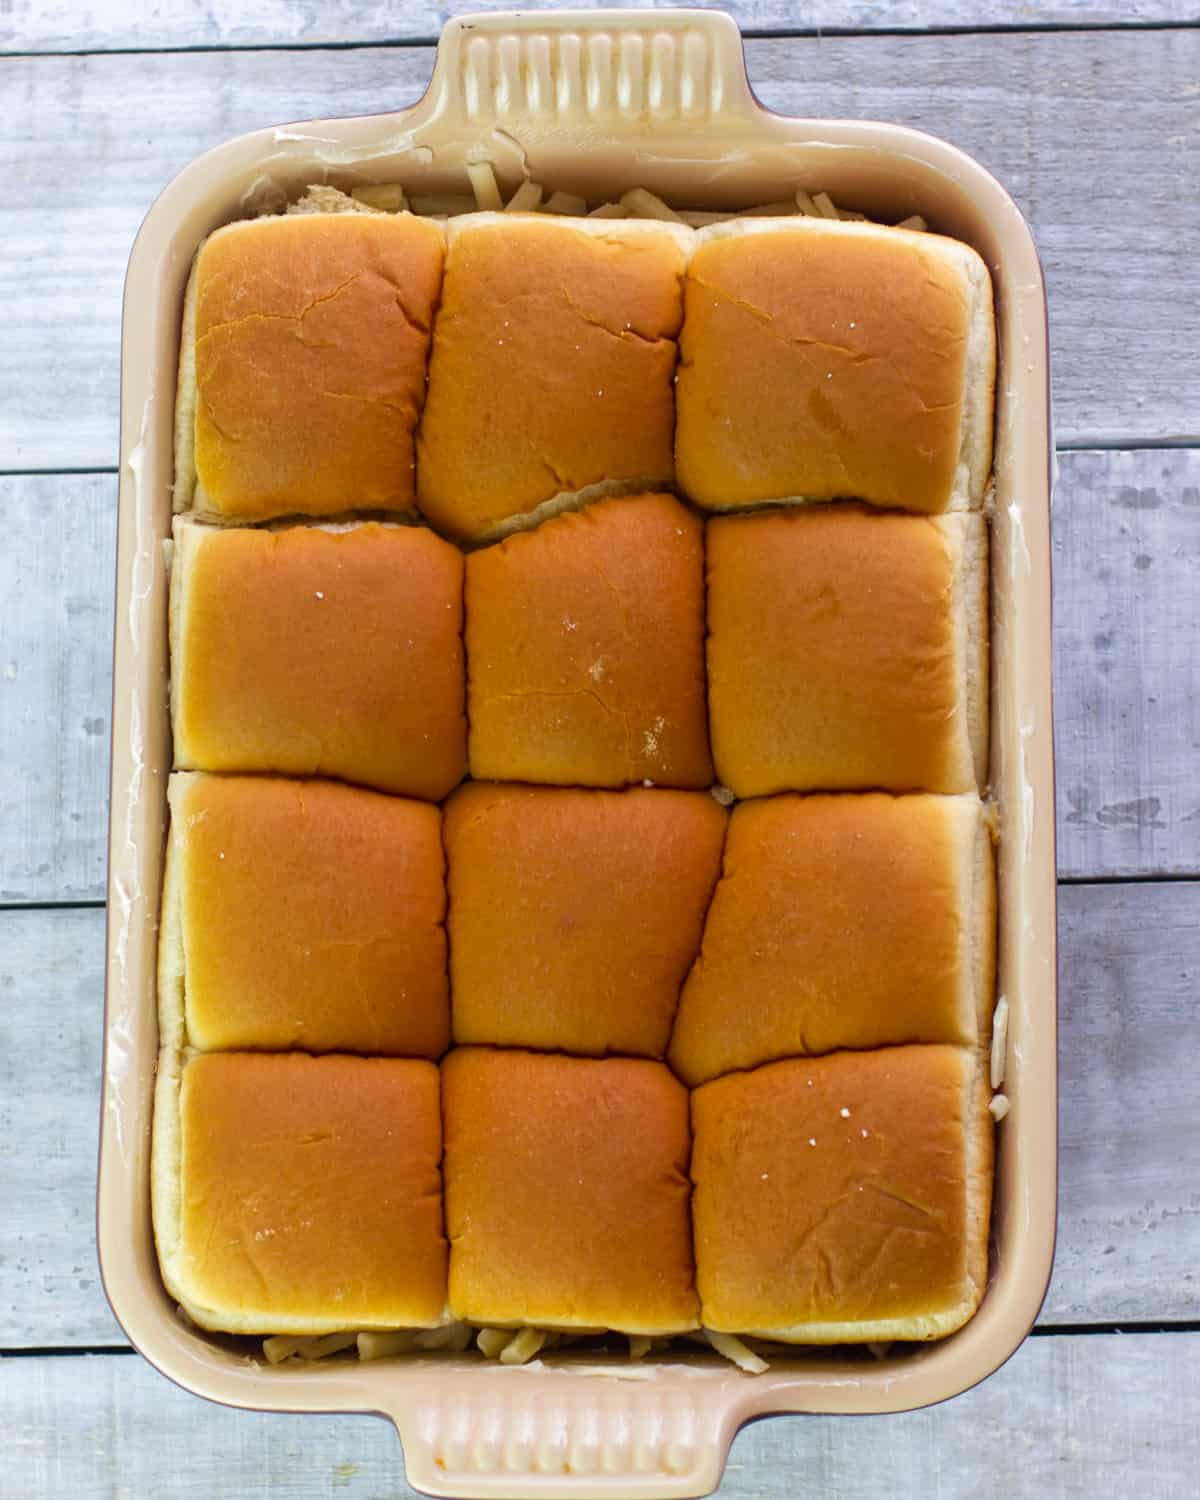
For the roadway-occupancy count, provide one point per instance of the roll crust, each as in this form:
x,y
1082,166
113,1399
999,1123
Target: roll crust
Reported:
x,y
575,915
319,652
585,650
847,651
304,365
823,360
307,915
567,1192
304,1194
842,922
844,1198
551,369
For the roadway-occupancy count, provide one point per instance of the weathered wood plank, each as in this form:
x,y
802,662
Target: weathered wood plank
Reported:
x,y
1126,640
1127,662
1129,1229
83,169
1129,1200
56,591
102,25
1070,1416
51,1010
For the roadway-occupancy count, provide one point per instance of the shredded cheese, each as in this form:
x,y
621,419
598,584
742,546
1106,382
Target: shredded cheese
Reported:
x,y
738,1353
484,186
521,1349
526,200
565,203
386,197
999,1058
644,205
383,1345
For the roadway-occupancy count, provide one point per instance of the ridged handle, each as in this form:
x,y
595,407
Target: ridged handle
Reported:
x,y
619,70
512,1435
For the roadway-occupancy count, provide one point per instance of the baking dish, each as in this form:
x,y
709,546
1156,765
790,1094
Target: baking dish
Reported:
x,y
590,103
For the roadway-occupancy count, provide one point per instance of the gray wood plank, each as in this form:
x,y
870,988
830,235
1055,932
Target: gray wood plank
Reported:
x,y
92,139
1070,1416
1129,1107
1127,662
51,1014
101,25
56,593
1129,1228
1126,641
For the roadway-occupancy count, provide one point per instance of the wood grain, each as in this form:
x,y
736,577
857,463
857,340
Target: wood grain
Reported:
x,y
1127,662
92,140
1126,643
1129,1229
1073,1417
56,608
51,1016
36,26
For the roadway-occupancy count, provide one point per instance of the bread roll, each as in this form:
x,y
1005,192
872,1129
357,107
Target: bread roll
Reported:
x,y
319,652
302,366
574,915
848,650
844,1198
552,367
842,922
567,1192
823,359
585,650
302,914
299,1194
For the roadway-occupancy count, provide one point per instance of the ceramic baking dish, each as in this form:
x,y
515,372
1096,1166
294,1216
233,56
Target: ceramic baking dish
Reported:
x,y
591,103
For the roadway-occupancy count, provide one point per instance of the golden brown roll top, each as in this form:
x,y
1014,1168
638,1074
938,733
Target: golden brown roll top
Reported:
x,y
575,915
585,649
302,369
300,1194
844,1198
310,651
847,651
567,1192
824,360
551,368
302,914
842,921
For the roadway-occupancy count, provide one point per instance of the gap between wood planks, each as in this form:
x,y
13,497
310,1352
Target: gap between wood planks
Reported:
x,y
1039,1331
749,34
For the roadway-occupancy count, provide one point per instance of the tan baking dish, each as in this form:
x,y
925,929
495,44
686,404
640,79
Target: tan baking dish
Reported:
x,y
590,102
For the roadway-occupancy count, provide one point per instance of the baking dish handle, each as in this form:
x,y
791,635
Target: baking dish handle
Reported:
x,y
518,1434
615,73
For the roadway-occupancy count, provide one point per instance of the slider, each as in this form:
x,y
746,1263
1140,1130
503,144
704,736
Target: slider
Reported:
x,y
552,367
567,1192
299,1194
848,921
847,651
575,915
319,652
302,914
845,1198
302,365
823,360
585,649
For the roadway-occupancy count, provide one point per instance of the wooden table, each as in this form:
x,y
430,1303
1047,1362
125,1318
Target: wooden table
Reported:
x,y
1089,112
